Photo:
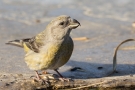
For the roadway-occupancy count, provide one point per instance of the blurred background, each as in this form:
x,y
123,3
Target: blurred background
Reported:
x,y
104,24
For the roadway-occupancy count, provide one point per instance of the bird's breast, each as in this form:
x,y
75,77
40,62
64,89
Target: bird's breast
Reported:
x,y
51,56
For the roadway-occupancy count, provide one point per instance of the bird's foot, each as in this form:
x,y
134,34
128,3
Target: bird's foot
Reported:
x,y
65,79
42,81
62,78
45,72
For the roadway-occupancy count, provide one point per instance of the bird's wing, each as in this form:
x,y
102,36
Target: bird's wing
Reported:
x,y
36,42
33,43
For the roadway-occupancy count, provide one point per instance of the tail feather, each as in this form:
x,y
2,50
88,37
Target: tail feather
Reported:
x,y
29,42
18,43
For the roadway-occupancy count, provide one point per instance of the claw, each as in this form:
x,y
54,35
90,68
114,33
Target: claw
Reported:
x,y
38,78
65,79
62,78
43,82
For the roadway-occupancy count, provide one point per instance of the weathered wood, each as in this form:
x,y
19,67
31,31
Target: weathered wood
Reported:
x,y
24,82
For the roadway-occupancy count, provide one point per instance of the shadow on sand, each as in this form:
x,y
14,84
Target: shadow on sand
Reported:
x,y
91,70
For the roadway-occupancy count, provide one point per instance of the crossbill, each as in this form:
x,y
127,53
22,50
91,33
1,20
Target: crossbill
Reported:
x,y
51,48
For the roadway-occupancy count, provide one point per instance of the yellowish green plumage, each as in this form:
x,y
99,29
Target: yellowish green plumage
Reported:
x,y
26,49
51,48
52,56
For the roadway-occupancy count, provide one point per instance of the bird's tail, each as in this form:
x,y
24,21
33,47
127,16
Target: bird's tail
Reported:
x,y
18,43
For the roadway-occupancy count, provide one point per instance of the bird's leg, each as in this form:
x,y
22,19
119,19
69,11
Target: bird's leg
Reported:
x,y
61,77
58,73
40,79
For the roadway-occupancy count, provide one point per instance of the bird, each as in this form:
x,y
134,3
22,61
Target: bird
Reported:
x,y
51,48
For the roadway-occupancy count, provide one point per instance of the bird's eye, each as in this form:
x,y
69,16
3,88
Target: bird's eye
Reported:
x,y
62,23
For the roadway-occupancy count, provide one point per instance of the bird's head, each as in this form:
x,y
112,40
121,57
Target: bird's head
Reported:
x,y
61,26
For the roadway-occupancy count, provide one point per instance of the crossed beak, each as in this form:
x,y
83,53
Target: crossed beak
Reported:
x,y
74,24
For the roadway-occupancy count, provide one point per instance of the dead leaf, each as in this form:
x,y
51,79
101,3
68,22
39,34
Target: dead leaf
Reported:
x,y
133,24
81,38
